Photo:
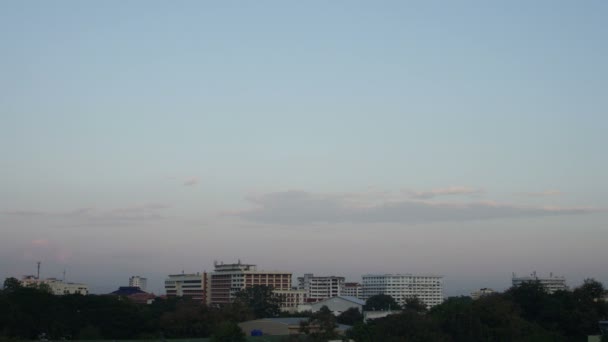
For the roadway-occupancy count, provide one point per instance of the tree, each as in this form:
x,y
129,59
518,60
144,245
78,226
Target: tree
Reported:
x,y
262,301
591,290
11,284
381,302
321,326
414,304
350,317
406,326
228,332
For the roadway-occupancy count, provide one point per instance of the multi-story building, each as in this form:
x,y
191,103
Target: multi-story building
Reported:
x,y
319,288
551,283
57,286
352,290
481,292
291,299
193,285
228,279
137,281
427,288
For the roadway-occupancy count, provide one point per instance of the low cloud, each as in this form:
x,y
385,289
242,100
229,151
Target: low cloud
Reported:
x,y
546,193
300,207
129,214
449,191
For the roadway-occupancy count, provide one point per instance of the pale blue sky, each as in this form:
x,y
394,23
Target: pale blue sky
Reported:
x,y
114,105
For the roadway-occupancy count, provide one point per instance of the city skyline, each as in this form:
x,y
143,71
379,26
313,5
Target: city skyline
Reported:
x,y
148,137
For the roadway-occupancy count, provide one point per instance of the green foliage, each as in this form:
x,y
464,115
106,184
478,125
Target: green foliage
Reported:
x,y
381,302
44,288
11,284
524,313
261,300
414,304
350,317
228,332
90,332
321,326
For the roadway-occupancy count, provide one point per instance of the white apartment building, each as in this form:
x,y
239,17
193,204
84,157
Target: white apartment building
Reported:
x,y
551,283
58,287
352,290
137,281
427,288
319,288
192,285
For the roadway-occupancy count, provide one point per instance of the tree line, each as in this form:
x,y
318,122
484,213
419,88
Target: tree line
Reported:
x,y
523,313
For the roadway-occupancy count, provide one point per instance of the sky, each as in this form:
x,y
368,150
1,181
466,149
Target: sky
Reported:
x,y
147,138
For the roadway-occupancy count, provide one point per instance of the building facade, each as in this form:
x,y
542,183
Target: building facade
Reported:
x,y
319,288
481,292
228,279
58,287
291,299
352,290
427,288
193,285
137,281
339,304
551,283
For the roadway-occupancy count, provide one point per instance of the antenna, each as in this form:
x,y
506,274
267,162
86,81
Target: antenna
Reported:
x,y
64,275
38,274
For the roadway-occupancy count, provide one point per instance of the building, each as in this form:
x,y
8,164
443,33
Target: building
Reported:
x,y
551,283
371,315
339,304
134,294
193,285
352,290
282,326
137,281
291,299
228,279
481,292
319,288
427,288
58,287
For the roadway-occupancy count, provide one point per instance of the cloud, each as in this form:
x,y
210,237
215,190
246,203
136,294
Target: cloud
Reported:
x,y
449,191
191,181
299,207
129,214
546,193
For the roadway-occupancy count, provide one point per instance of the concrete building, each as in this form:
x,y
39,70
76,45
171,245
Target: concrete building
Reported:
x,y
371,315
481,292
319,288
193,285
291,299
137,281
339,304
352,290
228,279
135,294
57,286
551,283
281,326
427,288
